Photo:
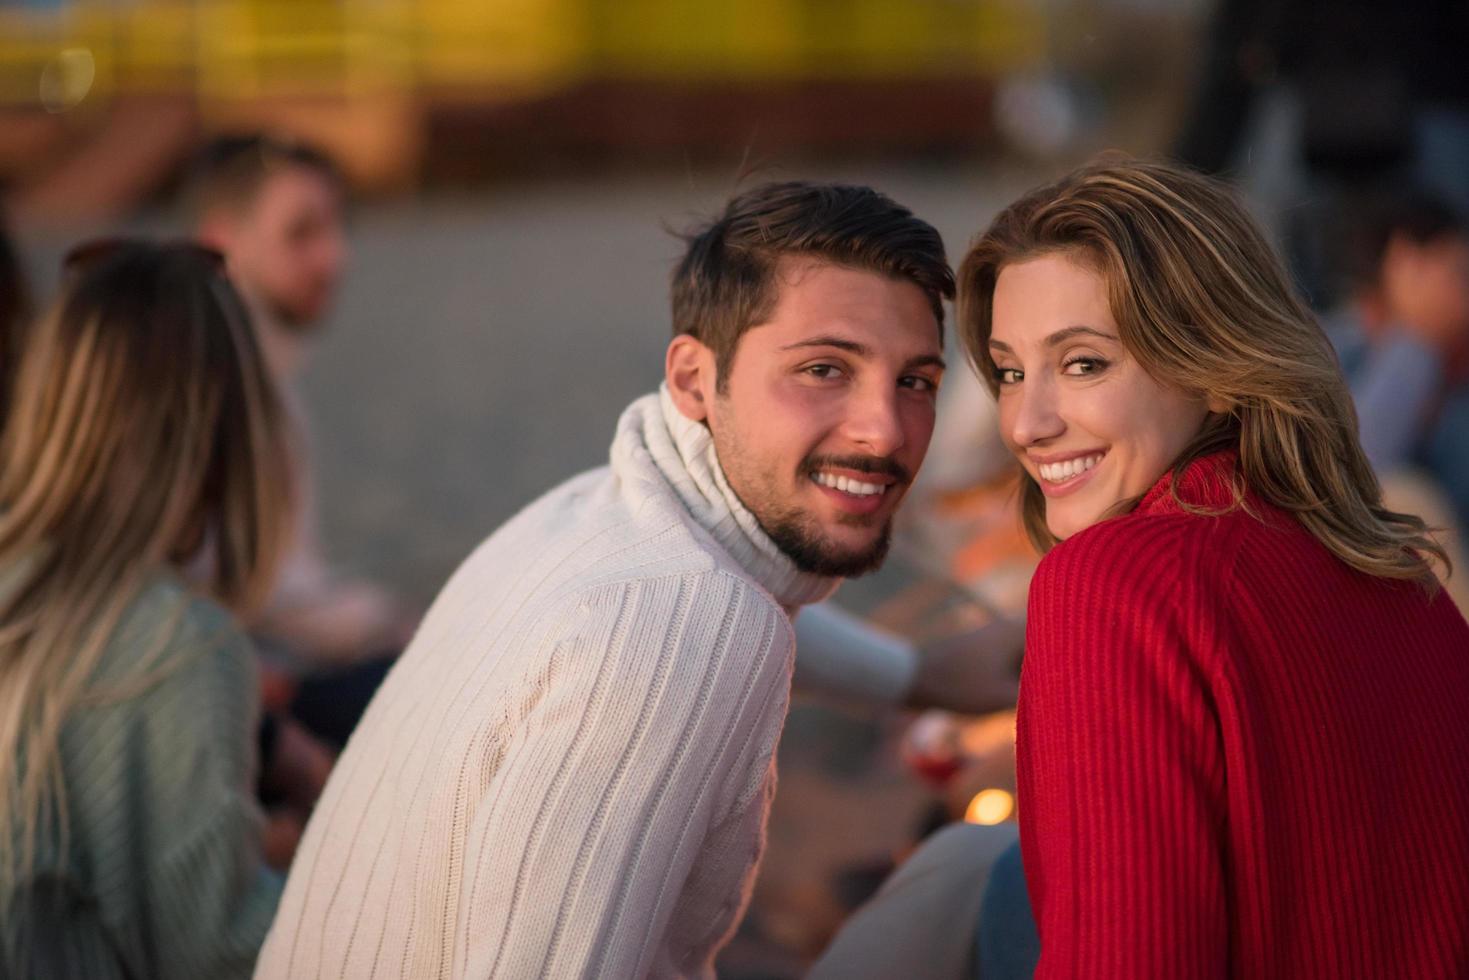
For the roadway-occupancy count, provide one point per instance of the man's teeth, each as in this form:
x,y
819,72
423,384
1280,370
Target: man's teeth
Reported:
x,y
1061,472
855,487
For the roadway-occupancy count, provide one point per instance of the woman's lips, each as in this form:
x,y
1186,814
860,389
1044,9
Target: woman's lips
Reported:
x,y
1063,477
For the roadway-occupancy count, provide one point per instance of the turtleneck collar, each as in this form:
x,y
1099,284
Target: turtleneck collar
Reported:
x,y
656,444
1207,482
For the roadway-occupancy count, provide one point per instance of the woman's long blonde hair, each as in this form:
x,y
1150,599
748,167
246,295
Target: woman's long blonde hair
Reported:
x,y
1203,303
142,430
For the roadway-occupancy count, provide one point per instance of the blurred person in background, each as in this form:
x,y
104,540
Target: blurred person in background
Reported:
x,y
144,430
569,771
1373,94
1403,340
274,208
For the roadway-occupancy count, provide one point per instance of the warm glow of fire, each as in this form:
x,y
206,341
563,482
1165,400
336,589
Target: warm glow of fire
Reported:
x,y
990,806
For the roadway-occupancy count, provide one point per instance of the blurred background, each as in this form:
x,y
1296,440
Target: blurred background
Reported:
x,y
516,168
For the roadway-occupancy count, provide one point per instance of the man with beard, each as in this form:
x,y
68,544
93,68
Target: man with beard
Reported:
x,y
569,770
274,208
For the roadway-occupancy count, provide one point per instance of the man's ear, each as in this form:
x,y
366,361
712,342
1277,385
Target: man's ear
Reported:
x,y
691,374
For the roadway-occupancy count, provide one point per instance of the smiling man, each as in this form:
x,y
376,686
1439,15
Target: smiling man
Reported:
x,y
568,772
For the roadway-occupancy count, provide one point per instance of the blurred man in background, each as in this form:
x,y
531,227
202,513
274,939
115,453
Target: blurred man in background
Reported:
x,y
275,208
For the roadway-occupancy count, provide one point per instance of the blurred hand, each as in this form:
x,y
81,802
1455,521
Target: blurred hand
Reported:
x,y
282,835
972,673
298,767
1425,291
346,624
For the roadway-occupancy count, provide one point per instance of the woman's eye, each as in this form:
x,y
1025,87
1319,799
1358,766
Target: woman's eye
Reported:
x,y
1008,376
1085,365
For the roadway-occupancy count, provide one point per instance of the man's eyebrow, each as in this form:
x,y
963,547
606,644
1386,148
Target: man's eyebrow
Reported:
x,y
926,360
841,343
862,350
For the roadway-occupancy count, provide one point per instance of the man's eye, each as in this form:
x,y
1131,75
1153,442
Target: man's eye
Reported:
x,y
918,382
823,370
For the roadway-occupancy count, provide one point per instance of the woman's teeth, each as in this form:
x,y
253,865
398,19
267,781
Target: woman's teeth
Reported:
x,y
855,487
1061,472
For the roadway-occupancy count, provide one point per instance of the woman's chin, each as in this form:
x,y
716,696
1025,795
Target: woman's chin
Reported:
x,y
1064,525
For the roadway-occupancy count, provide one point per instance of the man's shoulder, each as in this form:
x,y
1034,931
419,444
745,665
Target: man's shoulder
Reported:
x,y
712,607
587,532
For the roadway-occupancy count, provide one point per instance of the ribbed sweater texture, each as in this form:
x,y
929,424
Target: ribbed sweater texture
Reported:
x,y
161,872
568,772
1238,756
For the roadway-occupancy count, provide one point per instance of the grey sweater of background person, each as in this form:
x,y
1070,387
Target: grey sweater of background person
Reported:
x,y
161,875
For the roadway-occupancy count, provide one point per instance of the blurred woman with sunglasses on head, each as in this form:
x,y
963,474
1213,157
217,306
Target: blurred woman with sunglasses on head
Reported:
x,y
143,432
1241,739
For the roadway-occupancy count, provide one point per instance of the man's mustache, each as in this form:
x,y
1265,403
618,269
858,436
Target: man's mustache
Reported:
x,y
881,465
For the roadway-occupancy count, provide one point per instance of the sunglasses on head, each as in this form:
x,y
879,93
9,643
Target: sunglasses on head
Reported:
x,y
97,250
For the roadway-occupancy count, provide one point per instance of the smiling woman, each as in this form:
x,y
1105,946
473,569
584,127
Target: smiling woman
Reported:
x,y
1242,678
1090,426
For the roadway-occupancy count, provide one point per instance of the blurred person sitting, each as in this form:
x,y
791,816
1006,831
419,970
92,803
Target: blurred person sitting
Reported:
x,y
1403,340
275,209
144,430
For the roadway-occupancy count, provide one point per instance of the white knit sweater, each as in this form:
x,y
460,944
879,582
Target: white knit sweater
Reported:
x,y
569,771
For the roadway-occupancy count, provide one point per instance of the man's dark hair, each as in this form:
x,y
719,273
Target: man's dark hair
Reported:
x,y
230,170
725,283
1415,215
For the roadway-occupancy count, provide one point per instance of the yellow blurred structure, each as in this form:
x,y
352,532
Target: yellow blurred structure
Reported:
x,y
101,99
493,49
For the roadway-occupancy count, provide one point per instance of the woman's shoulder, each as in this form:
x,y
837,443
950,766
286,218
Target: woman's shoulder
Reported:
x,y
1133,591
1143,550
1182,527
173,628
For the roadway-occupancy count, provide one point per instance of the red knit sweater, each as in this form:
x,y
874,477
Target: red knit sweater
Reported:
x,y
1239,757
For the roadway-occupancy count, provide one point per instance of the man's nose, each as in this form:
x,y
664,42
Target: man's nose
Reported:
x,y
875,423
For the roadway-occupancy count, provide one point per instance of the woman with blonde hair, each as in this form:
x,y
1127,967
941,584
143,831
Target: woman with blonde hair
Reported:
x,y
143,438
1242,739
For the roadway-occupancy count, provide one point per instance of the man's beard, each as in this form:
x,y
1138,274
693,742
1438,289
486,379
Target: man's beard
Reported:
x,y
805,546
293,321
801,540
289,316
